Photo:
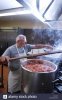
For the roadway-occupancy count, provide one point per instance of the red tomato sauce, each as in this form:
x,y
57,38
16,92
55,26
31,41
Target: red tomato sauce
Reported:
x,y
38,67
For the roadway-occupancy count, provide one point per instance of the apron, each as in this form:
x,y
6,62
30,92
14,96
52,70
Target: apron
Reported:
x,y
15,77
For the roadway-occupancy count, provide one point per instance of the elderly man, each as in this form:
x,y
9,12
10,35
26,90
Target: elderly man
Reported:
x,y
20,48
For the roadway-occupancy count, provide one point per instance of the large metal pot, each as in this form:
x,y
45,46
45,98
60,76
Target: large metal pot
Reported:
x,y
38,82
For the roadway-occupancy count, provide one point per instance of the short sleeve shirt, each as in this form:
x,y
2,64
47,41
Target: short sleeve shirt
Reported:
x,y
12,52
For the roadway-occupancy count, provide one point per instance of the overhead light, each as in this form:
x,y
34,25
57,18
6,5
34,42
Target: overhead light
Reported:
x,y
37,15
33,7
15,13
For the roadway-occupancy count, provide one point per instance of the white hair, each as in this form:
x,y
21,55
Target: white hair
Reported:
x,y
19,37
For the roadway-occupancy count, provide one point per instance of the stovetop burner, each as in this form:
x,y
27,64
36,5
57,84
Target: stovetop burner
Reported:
x,y
58,83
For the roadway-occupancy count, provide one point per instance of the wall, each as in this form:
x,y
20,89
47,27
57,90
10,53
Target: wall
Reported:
x,y
23,24
7,38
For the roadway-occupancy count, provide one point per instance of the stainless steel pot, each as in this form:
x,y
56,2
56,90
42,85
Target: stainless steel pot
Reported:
x,y
38,82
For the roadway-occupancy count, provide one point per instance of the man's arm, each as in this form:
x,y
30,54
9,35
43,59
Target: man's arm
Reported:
x,y
38,46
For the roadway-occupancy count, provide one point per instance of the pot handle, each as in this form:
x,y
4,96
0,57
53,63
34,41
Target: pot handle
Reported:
x,y
59,79
55,81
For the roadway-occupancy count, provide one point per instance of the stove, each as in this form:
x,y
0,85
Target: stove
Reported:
x,y
58,80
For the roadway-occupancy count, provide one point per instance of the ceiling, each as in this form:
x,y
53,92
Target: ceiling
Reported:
x,y
23,19
9,4
22,5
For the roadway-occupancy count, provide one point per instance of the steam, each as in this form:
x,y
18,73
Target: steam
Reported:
x,y
57,48
49,36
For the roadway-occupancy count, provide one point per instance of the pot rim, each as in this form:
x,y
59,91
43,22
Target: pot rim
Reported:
x,y
40,60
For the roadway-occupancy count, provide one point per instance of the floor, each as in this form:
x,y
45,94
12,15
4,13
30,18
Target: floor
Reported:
x,y
5,79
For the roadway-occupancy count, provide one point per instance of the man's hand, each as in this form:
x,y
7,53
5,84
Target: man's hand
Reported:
x,y
49,47
4,58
